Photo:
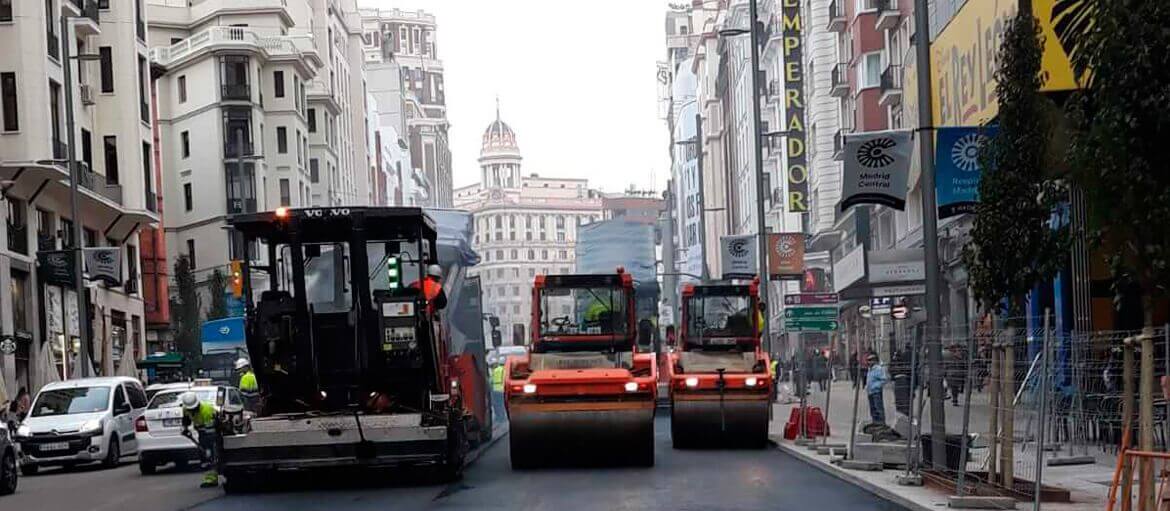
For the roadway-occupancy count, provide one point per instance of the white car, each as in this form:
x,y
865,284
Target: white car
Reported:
x,y
81,421
160,428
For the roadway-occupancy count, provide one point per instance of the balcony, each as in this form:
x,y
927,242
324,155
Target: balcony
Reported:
x,y
891,86
236,91
887,15
236,38
231,150
97,183
837,16
89,22
839,86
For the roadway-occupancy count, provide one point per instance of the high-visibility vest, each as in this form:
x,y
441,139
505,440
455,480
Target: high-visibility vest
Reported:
x,y
430,288
498,378
772,367
203,416
248,382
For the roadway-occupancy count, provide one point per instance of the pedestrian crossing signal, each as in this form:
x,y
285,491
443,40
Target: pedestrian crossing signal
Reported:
x,y
393,274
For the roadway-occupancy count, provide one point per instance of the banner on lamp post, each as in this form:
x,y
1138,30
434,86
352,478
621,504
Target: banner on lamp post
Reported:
x,y
104,264
739,259
877,166
786,256
957,168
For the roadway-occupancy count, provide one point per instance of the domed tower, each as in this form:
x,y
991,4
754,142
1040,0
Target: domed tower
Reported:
x,y
499,158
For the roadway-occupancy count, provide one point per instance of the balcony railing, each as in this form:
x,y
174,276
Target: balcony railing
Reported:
x,y
892,78
887,14
237,206
233,36
232,150
239,91
839,80
836,16
18,238
97,183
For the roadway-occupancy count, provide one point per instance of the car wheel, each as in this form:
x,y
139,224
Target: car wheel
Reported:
x,y
8,474
146,465
113,454
29,469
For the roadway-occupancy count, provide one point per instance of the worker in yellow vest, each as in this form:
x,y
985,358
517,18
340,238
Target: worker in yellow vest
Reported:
x,y
201,416
498,391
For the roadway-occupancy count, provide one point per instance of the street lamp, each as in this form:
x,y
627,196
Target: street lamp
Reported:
x,y
761,223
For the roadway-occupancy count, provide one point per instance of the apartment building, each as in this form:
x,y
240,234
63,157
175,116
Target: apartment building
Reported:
x,y
261,105
401,50
103,43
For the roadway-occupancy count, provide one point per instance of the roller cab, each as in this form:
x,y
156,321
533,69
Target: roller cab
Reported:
x,y
582,395
720,387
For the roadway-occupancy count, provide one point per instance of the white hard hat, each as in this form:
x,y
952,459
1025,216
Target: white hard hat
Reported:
x,y
242,363
189,400
435,270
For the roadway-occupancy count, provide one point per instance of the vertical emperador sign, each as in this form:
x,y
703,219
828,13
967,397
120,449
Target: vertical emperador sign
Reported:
x,y
797,155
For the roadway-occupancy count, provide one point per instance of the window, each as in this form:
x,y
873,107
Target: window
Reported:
x,y
188,199
531,255
285,192
21,299
870,71
560,236
89,236
515,254
312,120
182,89
119,397
110,149
314,173
87,149
146,176
278,83
515,290
865,6
544,254
107,68
143,101
281,140
560,221
499,256
191,253
185,143
5,10
300,149
103,4
8,104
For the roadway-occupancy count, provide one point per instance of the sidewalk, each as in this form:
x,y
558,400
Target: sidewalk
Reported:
x,y
1088,484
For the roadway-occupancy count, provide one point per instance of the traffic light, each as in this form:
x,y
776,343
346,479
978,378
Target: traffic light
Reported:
x,y
237,279
393,274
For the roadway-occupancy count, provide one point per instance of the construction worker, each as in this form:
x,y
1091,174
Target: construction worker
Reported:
x,y
498,390
597,312
202,416
248,386
432,287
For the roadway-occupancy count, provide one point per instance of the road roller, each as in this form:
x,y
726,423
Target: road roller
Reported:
x,y
582,395
720,386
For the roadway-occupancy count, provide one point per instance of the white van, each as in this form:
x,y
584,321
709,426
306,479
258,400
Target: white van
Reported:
x,y
81,421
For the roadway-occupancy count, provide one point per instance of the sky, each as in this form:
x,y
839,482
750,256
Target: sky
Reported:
x,y
575,80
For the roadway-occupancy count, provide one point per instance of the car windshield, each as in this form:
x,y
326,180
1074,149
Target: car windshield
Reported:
x,y
718,316
71,401
171,399
583,311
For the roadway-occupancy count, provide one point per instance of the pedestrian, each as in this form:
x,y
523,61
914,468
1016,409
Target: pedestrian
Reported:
x,y
956,372
20,405
854,369
203,417
822,366
875,380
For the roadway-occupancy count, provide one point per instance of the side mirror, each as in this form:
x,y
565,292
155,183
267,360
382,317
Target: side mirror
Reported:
x,y
122,409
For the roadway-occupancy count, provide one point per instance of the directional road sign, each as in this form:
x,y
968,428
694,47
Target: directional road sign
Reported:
x,y
810,313
811,325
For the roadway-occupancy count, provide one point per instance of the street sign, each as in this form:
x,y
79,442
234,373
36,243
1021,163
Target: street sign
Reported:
x,y
811,325
811,299
879,306
810,313
900,312
910,290
8,346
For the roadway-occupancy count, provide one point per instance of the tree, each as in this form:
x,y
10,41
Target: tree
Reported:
x,y
185,311
1119,157
1014,243
218,288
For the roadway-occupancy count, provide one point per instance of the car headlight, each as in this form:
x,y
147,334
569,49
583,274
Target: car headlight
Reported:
x,y
692,382
750,381
23,431
631,386
529,388
91,426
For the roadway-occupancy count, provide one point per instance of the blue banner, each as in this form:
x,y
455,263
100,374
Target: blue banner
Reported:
x,y
957,168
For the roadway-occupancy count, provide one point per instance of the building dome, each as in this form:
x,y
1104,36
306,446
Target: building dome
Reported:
x,y
499,136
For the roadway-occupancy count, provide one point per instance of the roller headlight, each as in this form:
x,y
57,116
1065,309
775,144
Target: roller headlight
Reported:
x,y
631,386
692,382
750,381
529,388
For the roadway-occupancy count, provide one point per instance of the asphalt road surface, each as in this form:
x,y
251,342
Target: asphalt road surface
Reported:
x,y
681,480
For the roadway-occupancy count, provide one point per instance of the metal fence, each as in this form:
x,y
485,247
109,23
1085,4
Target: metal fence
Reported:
x,y
1023,399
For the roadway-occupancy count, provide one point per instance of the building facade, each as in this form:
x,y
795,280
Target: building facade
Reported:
x,y
401,48
111,134
524,225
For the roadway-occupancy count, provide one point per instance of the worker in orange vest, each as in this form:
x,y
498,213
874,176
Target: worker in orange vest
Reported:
x,y
432,287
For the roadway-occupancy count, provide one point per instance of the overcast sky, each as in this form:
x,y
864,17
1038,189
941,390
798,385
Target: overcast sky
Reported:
x,y
576,81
